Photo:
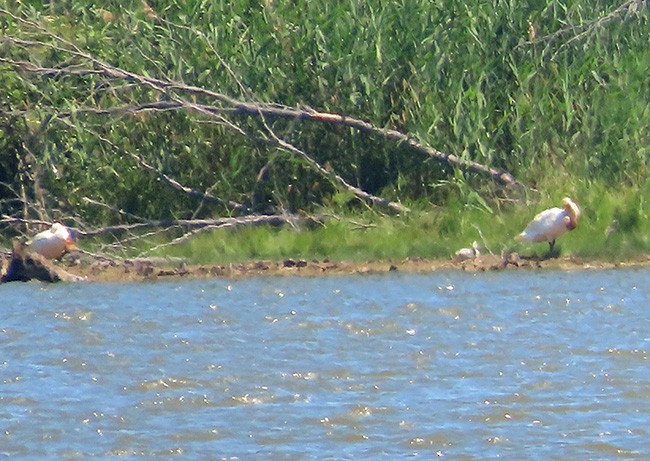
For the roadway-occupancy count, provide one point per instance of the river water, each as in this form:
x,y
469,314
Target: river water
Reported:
x,y
517,365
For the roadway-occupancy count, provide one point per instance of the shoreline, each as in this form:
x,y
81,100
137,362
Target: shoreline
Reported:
x,y
150,269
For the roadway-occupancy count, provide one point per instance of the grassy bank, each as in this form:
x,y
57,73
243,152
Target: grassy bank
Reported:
x,y
548,91
615,226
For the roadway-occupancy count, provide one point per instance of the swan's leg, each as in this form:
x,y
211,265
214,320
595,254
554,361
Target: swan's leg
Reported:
x,y
551,244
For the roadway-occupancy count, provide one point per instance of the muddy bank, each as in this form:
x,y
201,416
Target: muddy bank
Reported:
x,y
162,269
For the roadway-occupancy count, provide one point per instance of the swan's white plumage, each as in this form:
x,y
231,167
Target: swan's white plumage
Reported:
x,y
550,224
52,243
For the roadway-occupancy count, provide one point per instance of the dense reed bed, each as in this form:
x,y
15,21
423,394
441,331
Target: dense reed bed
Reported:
x,y
554,92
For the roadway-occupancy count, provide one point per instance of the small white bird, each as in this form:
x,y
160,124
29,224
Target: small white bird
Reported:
x,y
53,243
468,253
550,224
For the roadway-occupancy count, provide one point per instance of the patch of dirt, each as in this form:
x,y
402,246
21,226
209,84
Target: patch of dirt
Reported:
x,y
164,269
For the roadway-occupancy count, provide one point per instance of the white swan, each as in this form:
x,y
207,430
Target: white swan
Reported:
x,y
52,243
550,224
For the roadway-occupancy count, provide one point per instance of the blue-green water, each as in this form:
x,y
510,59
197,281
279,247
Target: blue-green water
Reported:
x,y
517,365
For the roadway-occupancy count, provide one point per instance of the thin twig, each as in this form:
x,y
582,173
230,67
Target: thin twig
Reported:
x,y
581,30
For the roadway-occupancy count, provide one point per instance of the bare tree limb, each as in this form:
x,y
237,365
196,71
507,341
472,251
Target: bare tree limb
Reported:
x,y
257,109
117,211
142,230
242,108
190,192
168,224
275,111
578,32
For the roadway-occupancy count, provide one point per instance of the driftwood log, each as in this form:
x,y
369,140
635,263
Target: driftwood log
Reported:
x,y
25,266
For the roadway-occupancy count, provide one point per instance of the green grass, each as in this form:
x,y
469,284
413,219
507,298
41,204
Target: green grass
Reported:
x,y
615,225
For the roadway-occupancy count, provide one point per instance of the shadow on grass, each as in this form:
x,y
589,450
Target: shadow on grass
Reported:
x,y
550,254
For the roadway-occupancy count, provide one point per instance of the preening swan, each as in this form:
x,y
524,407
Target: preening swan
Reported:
x,y
550,224
52,243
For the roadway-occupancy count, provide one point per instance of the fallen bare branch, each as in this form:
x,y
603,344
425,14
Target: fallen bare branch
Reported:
x,y
190,192
578,32
237,107
113,209
169,224
143,230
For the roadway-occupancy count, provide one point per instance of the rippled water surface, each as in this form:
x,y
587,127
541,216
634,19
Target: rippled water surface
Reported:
x,y
535,365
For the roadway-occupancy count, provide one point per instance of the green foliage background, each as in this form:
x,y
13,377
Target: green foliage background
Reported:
x,y
565,114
